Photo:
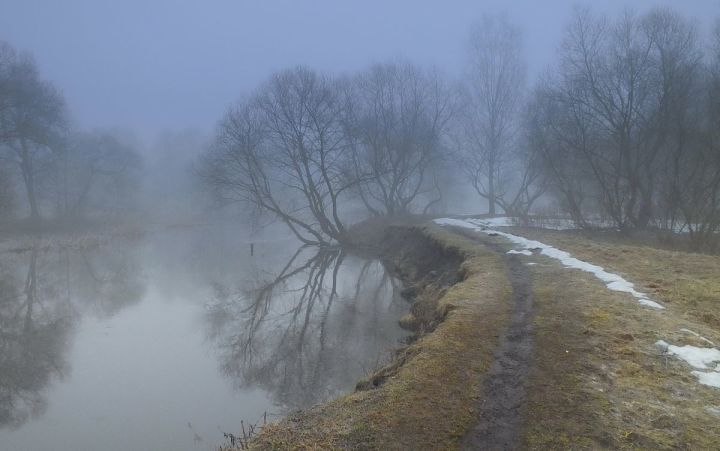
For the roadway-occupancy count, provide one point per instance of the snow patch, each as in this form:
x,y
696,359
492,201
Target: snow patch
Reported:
x,y
500,221
698,335
710,378
456,223
612,281
522,252
699,358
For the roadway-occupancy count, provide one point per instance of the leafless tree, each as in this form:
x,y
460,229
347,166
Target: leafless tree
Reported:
x,y
32,118
607,80
492,92
284,152
614,112
96,174
7,194
396,120
681,81
695,158
558,134
530,182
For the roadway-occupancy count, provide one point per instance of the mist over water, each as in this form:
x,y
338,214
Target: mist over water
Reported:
x,y
158,342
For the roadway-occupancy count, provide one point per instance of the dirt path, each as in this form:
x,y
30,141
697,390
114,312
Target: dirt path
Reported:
x,y
500,409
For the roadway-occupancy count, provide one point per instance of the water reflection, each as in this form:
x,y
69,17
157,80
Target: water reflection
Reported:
x,y
43,292
309,330
33,338
102,282
96,340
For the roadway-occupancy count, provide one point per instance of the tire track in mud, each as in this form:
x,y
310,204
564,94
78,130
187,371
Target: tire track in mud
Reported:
x,y
501,406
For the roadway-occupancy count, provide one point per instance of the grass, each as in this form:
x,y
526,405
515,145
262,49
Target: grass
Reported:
x,y
429,400
688,284
597,379
599,382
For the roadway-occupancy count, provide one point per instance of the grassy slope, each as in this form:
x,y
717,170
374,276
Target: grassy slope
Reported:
x,y
429,402
599,381
688,284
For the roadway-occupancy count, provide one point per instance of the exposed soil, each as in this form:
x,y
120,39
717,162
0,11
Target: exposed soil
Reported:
x,y
427,269
500,409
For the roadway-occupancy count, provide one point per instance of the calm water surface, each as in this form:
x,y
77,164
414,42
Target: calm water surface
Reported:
x,y
167,341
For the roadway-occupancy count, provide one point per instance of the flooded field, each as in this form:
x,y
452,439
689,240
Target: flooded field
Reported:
x,y
168,340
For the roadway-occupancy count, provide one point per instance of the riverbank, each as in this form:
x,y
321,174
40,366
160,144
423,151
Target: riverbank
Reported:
x,y
427,397
515,348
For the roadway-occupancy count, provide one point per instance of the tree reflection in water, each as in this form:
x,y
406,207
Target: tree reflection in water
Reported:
x,y
323,321
43,293
33,338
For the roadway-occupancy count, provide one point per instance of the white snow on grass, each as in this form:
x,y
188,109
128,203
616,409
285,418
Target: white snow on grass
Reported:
x,y
522,252
697,335
500,221
612,281
698,358
711,378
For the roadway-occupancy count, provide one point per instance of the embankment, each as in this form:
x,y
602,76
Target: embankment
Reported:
x,y
427,397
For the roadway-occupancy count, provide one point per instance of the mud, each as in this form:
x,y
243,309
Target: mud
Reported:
x,y
500,409
426,269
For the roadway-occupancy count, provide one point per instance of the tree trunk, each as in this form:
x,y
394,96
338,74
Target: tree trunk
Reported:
x,y
491,186
26,166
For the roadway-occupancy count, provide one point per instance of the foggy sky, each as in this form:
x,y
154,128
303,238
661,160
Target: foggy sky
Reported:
x,y
154,65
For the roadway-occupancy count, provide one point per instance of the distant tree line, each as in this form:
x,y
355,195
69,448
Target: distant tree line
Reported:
x,y
627,124
45,164
623,131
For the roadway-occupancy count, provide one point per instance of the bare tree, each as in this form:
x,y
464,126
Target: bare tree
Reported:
x,y
696,159
612,111
681,80
7,194
558,134
492,91
32,118
284,152
530,182
396,119
96,174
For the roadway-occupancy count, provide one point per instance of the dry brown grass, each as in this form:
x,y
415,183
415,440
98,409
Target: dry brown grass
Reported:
x,y
688,284
598,380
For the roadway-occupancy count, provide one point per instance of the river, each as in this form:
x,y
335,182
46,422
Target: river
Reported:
x,y
166,340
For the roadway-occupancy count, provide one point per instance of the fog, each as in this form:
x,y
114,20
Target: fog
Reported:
x,y
193,194
165,65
